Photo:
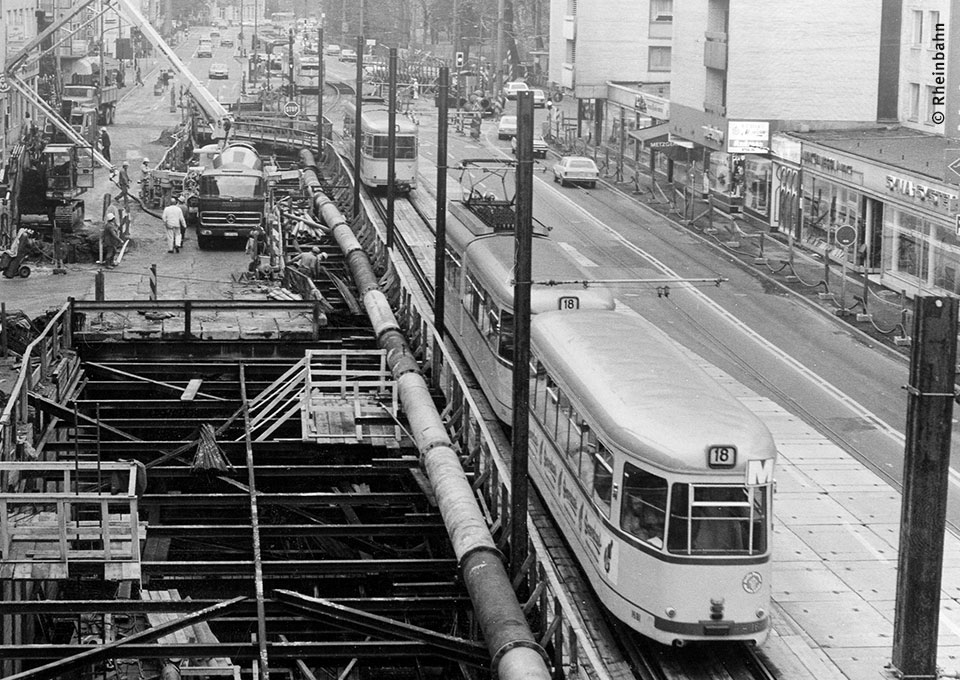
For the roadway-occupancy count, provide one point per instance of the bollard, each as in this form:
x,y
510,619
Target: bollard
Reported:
x,y
99,286
153,282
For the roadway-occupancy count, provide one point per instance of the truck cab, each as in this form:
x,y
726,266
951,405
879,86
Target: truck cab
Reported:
x,y
231,197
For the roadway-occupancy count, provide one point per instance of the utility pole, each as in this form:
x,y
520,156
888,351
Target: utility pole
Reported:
x,y
457,48
320,86
522,277
441,222
291,94
498,67
358,128
391,145
926,480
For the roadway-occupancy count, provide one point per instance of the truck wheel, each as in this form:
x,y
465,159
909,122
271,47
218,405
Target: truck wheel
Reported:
x,y
203,242
24,271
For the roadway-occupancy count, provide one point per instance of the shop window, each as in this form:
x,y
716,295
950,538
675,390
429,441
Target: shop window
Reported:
x,y
758,172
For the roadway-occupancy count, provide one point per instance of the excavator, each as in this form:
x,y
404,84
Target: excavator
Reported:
x,y
50,171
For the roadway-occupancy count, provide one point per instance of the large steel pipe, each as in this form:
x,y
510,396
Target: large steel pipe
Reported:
x,y
514,652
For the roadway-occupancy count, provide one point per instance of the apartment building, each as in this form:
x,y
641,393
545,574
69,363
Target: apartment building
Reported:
x,y
593,42
18,25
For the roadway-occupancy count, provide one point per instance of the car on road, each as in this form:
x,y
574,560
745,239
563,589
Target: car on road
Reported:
x,y
218,71
510,89
540,147
346,54
576,170
539,99
332,50
507,127
226,41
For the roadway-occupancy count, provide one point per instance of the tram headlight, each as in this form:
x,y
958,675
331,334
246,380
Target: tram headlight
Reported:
x,y
670,612
761,613
752,582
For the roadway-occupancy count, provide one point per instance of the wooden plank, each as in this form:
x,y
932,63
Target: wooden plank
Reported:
x,y
192,388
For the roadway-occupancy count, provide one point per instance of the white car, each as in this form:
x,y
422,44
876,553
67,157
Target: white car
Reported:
x,y
346,54
219,71
332,50
576,170
539,99
510,89
540,147
507,127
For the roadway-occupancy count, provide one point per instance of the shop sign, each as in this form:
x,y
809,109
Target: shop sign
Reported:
x,y
713,134
920,192
748,136
651,105
826,164
785,147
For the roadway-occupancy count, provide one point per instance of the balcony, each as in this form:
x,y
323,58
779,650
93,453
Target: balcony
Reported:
x,y
570,28
715,50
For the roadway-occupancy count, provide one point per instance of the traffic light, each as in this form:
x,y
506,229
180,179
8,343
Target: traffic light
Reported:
x,y
459,60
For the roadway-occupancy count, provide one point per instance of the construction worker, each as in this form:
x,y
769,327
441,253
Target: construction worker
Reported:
x,y
173,223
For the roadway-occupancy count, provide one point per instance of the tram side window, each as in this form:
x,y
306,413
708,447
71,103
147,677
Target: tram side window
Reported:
x,y
506,335
473,300
564,418
452,270
550,406
603,478
536,395
643,510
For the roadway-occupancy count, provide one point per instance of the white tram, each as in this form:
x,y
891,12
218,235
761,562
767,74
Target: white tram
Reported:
x,y
374,147
660,480
308,74
479,298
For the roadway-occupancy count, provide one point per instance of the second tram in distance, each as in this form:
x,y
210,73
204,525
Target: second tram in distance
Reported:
x,y
374,131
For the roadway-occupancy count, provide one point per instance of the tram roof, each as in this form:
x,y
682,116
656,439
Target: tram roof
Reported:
x,y
641,394
491,259
375,118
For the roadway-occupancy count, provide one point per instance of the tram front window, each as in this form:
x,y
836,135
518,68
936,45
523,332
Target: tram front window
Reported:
x,y
718,520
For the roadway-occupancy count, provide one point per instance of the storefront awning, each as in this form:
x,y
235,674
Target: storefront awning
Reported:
x,y
654,133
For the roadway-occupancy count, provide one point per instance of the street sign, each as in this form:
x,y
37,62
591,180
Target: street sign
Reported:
x,y
4,85
659,145
291,109
845,235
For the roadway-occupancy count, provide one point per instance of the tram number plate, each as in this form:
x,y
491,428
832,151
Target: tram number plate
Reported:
x,y
568,302
722,456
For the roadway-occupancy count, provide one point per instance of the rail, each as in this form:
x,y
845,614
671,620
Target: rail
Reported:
x,y
39,359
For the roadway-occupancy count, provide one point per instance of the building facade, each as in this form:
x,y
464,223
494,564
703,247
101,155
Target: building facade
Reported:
x,y
18,26
923,64
596,41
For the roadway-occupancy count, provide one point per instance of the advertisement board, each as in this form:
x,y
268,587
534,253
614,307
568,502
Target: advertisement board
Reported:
x,y
748,136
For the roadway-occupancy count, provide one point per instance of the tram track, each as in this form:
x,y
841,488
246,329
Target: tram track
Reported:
x,y
643,659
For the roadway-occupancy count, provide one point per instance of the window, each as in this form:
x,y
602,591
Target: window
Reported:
x,y
931,94
661,10
643,510
603,478
913,102
505,347
917,27
934,28
659,59
718,520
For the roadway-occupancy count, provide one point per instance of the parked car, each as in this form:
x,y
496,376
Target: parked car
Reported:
x,y
540,147
332,50
218,71
510,89
539,99
346,54
507,127
576,170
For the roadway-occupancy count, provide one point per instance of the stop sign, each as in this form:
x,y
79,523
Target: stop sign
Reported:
x,y
291,108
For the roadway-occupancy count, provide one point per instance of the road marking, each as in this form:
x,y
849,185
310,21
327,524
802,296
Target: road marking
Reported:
x,y
581,259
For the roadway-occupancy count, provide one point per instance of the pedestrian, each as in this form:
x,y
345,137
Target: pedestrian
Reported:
x,y
123,181
173,221
137,72
182,204
309,262
111,241
252,249
105,143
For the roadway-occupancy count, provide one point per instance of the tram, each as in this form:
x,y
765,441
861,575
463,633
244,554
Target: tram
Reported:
x,y
660,480
479,297
374,148
308,74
